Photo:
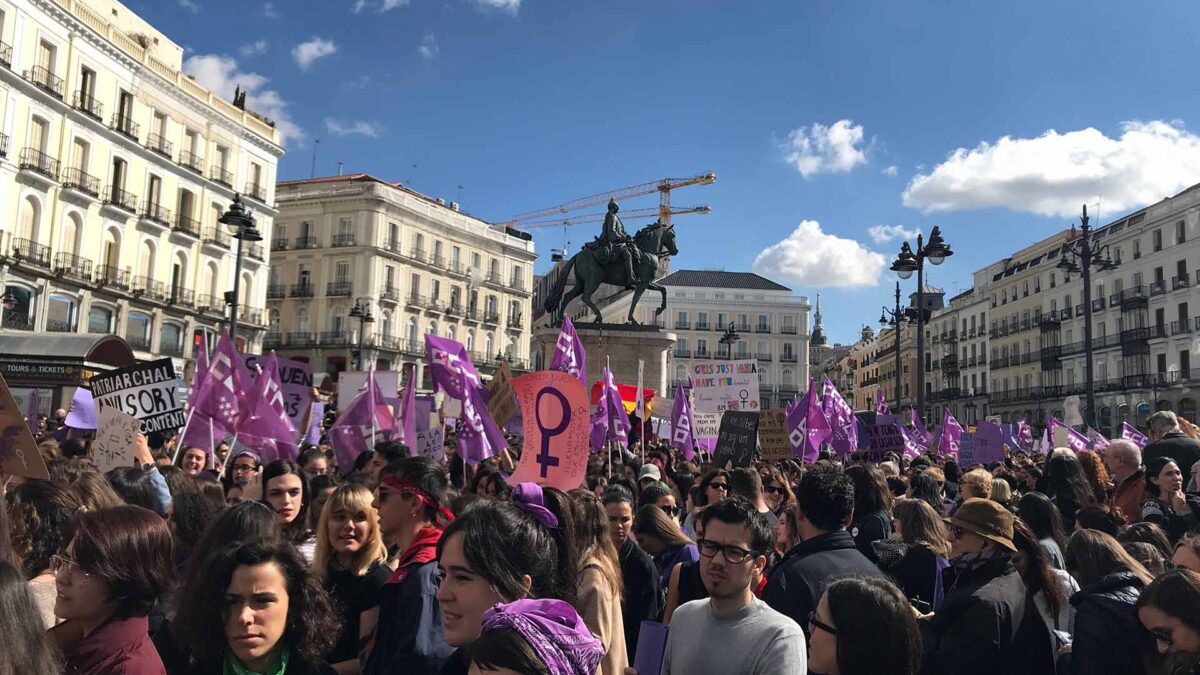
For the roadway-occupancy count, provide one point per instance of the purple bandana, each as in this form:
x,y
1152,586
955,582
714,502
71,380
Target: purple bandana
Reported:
x,y
528,497
553,629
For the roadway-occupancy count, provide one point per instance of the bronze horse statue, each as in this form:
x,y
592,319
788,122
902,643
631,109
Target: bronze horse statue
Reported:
x,y
651,243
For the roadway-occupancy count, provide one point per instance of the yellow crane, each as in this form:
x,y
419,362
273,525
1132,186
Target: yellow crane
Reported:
x,y
557,215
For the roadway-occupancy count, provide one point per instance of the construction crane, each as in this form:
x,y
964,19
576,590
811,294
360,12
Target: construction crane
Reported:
x,y
663,187
629,214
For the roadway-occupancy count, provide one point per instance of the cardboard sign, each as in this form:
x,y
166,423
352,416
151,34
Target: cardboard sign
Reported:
x,y
431,443
295,382
554,406
737,438
718,386
968,447
116,439
502,405
19,455
773,439
989,443
885,438
146,391
705,426
1072,416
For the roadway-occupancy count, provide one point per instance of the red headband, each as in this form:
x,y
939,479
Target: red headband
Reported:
x,y
406,485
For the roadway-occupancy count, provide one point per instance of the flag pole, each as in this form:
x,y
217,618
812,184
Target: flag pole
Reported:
x,y
179,446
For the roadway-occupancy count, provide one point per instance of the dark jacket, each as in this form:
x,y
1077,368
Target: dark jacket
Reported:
x,y
986,626
1161,513
643,599
797,582
1179,447
913,567
1107,631
869,529
117,647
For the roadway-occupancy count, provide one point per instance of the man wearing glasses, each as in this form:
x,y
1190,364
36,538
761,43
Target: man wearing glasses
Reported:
x,y
732,632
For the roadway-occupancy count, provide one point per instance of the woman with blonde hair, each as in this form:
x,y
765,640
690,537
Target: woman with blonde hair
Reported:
x,y
916,552
349,562
600,585
1002,493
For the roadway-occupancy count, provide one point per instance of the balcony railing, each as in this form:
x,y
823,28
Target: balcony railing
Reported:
x,y
1158,288
300,338
219,175
272,340
156,213
334,337
45,80
37,161
3,145
70,266
302,290
1179,282
191,160
156,143
1097,304
516,322
762,328
78,179
493,277
147,287
787,358
256,191
788,330
255,251
416,300
763,356
6,54
181,297
110,277
390,294
279,244
342,240
682,325
187,225
305,242
115,196
417,254
1181,327
338,289
124,124
87,104
491,317
276,291
216,235
210,303
31,252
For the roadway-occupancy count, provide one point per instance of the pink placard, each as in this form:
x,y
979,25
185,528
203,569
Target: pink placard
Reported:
x,y
554,407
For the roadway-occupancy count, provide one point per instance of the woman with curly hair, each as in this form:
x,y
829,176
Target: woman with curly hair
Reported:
x,y
40,514
1096,474
259,611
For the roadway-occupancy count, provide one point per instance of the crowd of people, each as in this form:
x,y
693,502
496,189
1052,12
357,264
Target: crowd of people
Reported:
x,y
195,563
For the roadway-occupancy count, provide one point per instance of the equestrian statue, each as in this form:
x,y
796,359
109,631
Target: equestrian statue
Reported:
x,y
617,259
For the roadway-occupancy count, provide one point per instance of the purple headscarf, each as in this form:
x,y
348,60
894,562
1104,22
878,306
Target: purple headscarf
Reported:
x,y
529,498
554,630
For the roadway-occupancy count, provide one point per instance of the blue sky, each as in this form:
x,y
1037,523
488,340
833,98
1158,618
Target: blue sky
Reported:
x,y
822,120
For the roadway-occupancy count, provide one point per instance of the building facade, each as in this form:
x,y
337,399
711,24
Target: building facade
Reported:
x,y
956,346
417,263
115,168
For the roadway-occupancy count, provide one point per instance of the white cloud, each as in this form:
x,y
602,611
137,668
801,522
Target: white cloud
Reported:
x,y
269,11
352,128
826,149
254,48
891,170
815,258
359,6
1055,173
389,5
190,6
221,74
885,233
307,52
429,47
510,6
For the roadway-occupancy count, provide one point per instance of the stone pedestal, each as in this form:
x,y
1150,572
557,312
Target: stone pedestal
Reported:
x,y
623,345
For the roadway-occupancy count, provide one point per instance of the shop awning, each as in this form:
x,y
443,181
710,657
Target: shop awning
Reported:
x,y
62,358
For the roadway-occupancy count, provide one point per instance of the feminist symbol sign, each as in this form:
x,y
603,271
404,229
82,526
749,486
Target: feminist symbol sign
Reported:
x,y
554,406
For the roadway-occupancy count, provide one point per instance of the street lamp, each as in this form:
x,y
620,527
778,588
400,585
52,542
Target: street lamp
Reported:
x,y
1079,257
238,217
936,252
361,311
970,408
896,318
730,337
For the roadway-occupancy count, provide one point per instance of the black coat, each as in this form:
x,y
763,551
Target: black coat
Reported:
x,y
643,599
1179,447
915,572
797,582
869,529
1108,636
986,626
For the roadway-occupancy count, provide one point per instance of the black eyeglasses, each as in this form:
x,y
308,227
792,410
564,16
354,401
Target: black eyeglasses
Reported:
x,y
776,490
670,510
814,622
733,554
1163,635
718,486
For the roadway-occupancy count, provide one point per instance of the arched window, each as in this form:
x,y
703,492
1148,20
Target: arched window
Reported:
x,y
146,260
451,331
170,339
31,215
470,341
385,325
71,231
137,331
487,346
410,333
100,320
212,277
302,320
680,372
246,290
789,377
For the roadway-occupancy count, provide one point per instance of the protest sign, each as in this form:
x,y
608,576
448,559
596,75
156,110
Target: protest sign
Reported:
x,y
146,391
1072,417
431,443
968,450
885,438
737,438
295,382
502,405
718,386
989,443
19,455
554,406
773,440
116,439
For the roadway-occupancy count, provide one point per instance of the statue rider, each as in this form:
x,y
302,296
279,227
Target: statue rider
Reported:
x,y
617,240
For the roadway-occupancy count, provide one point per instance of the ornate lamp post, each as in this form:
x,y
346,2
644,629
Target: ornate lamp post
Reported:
x,y
896,318
238,217
361,311
1079,257
730,338
936,252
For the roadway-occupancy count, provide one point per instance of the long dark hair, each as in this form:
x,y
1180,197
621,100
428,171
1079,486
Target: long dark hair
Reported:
x,y
654,522
871,492
595,541
297,530
709,477
1153,468
1038,574
1092,555
877,632
1067,482
1177,594
505,649
27,647
925,487
130,548
45,511
1040,514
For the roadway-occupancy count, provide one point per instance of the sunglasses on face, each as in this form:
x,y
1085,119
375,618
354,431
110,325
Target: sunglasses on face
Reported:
x,y
718,486
670,510
814,622
776,490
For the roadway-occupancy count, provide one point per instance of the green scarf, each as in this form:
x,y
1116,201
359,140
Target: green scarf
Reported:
x,y
234,665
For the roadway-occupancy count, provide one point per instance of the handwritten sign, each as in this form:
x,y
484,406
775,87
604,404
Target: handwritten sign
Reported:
x,y
773,440
146,391
503,402
718,386
968,450
19,455
116,438
295,382
554,406
885,438
431,443
736,438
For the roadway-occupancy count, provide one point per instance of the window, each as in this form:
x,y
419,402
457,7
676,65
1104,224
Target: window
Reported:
x,y
702,347
455,257
393,241
1157,240
100,320
137,330
47,55
170,339
1137,249
1179,233
435,290
153,191
125,110
222,159
60,314
701,320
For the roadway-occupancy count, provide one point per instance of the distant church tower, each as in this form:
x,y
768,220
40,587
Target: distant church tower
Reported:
x,y
817,339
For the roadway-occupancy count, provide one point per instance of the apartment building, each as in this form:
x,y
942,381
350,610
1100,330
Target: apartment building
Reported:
x,y
956,350
419,264
115,167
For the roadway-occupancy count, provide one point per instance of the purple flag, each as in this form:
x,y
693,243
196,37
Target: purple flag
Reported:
x,y
1075,440
610,422
681,423
844,439
448,363
808,427
269,430
951,435
569,355
201,372
201,432
355,430
881,406
1024,434
1097,439
989,442
1130,433
313,437
478,435
920,433
406,414
835,407
222,394
82,414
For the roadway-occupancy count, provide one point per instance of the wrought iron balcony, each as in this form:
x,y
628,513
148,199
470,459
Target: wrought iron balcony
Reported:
x,y
276,291
301,338
787,358
1181,327
147,287
31,252
219,175
37,161
1158,288
180,296
162,146
112,278
516,321
334,337
279,244
763,356
390,294
187,225
210,303
156,213
788,330
342,240
217,236
71,266
273,339
491,317
682,324
191,160
762,328
302,290
78,179
305,242
125,125
43,79
1179,282
255,251
115,196
6,54
256,191
338,289
88,105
